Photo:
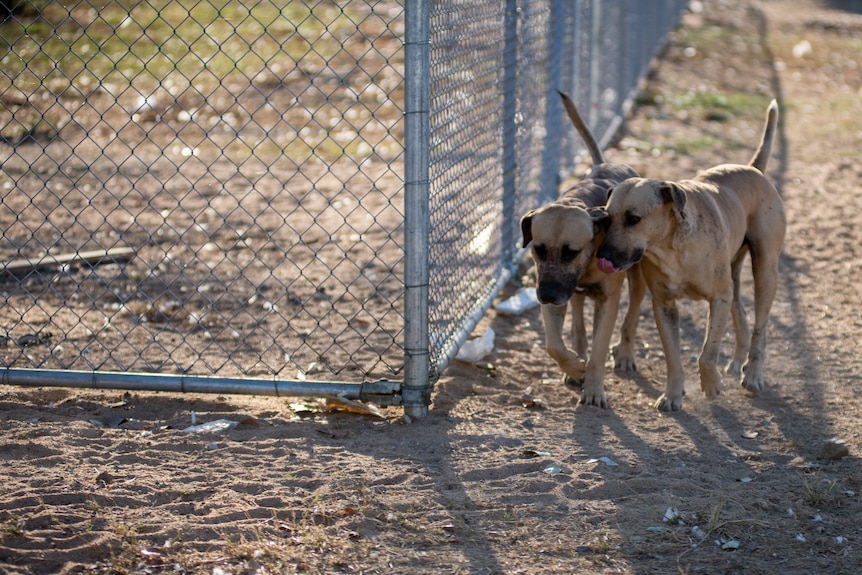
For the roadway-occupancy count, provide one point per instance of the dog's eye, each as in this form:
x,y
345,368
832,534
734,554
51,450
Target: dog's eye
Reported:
x,y
568,254
541,252
632,220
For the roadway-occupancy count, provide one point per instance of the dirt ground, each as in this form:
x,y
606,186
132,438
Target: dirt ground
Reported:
x,y
489,482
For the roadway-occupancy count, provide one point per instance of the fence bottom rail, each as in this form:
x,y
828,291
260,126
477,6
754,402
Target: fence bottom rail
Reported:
x,y
382,392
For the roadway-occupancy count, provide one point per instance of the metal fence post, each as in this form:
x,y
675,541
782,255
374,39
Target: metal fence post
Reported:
x,y
553,108
595,62
510,129
416,393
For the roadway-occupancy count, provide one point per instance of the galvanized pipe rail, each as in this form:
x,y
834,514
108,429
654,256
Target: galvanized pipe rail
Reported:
x,y
380,392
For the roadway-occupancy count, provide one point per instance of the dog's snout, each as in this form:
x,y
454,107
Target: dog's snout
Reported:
x,y
605,252
552,294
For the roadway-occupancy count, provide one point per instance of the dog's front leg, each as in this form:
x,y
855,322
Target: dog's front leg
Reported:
x,y
603,327
572,365
667,322
707,363
578,336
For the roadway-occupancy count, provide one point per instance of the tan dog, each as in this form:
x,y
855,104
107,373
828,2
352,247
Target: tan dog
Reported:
x,y
565,239
690,238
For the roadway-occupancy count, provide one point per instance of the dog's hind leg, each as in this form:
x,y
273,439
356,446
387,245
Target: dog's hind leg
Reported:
x,y
579,328
765,271
667,322
765,239
625,358
707,363
740,321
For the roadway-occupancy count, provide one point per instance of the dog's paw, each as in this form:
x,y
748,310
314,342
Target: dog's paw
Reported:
x,y
752,376
625,364
734,368
711,387
666,403
625,360
710,381
753,381
576,370
573,383
595,397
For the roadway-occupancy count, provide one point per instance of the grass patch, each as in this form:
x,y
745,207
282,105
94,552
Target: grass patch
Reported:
x,y
709,37
823,493
718,107
12,529
322,80
695,145
91,44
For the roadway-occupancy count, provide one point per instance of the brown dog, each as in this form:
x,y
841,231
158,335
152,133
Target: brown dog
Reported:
x,y
565,239
690,238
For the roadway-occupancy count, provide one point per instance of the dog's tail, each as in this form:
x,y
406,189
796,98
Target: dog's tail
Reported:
x,y
583,130
761,156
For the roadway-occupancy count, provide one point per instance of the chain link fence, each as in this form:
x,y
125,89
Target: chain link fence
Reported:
x,y
500,142
217,188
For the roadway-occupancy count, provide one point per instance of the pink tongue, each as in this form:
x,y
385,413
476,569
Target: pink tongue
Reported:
x,y
606,266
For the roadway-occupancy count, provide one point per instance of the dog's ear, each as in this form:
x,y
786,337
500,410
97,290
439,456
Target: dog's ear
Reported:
x,y
527,228
670,193
601,219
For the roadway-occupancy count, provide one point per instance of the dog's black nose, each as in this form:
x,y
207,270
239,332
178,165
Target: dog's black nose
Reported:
x,y
550,295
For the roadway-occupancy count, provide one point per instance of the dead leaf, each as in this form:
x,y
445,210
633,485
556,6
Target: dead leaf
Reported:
x,y
334,404
531,453
304,408
348,511
153,556
529,401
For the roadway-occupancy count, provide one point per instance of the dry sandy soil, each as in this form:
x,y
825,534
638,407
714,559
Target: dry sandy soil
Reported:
x,y
490,482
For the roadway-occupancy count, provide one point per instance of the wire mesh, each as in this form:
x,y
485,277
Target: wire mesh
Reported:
x,y
248,154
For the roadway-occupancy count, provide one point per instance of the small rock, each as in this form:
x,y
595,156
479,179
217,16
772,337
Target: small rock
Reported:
x,y
671,515
802,49
832,450
104,478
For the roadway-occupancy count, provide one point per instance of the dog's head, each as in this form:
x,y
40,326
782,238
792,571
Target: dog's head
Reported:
x,y
563,245
639,213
